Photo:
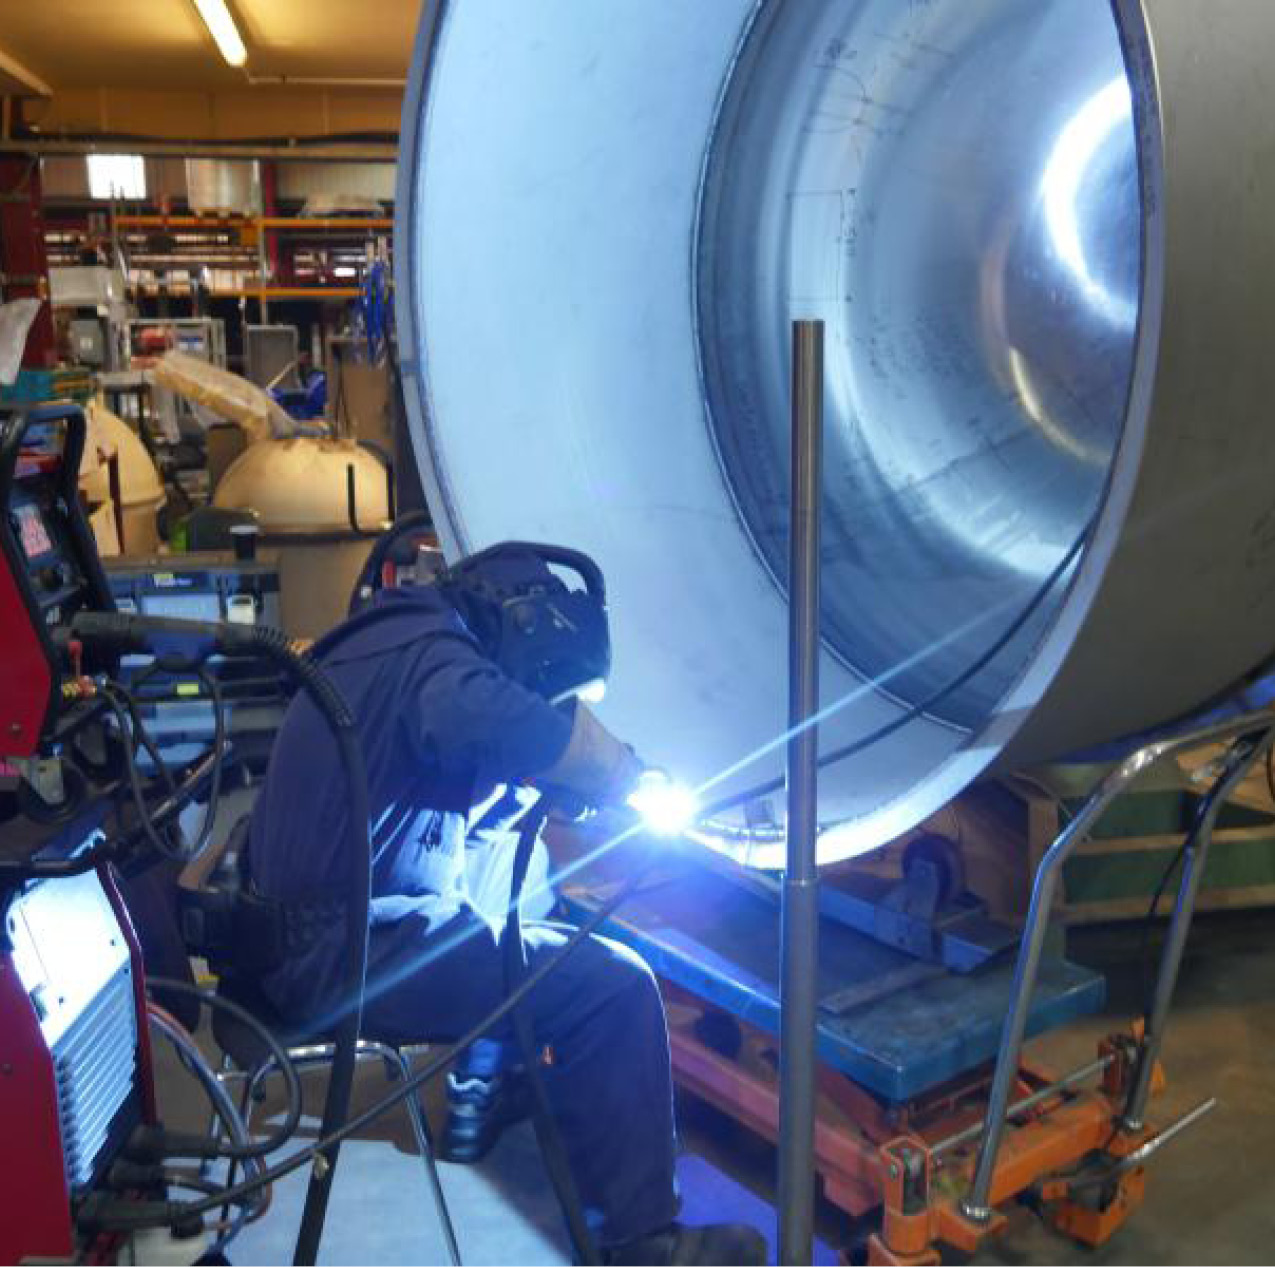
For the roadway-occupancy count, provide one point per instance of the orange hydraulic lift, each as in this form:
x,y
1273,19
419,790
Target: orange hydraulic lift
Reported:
x,y
936,1167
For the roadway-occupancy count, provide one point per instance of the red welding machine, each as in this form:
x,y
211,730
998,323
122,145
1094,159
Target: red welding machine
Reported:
x,y
75,1074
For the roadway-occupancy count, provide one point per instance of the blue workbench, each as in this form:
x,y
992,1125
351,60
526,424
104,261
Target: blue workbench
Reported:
x,y
720,942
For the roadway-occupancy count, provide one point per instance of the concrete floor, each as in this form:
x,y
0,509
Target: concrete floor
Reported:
x,y
1209,1192
381,1210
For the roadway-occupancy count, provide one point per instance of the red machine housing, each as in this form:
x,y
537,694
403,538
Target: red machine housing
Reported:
x,y
72,1087
49,567
26,678
75,1065
37,1202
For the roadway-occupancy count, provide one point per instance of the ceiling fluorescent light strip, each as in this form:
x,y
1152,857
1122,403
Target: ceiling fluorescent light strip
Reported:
x,y
221,26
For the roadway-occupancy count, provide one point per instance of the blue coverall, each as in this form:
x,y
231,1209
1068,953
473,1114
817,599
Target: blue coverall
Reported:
x,y
441,727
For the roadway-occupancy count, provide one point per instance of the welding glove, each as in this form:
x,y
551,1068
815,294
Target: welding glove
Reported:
x,y
596,767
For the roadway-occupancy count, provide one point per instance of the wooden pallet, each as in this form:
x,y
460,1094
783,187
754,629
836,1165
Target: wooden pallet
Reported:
x,y
1114,873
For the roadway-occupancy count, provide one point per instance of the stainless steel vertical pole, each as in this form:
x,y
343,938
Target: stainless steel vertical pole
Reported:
x,y
798,989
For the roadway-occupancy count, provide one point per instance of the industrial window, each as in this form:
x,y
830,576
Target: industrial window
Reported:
x,y
117,176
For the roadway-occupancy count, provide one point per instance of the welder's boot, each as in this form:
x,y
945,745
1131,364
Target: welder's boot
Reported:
x,y
714,1245
479,1108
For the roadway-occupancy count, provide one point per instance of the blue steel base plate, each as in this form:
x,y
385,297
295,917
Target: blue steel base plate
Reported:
x,y
720,942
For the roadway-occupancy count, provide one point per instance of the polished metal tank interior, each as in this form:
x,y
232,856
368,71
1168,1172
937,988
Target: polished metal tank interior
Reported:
x,y
957,197
1033,231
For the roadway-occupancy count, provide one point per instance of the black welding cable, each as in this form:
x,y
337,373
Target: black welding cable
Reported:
x,y
202,1146
118,698
229,1116
140,735
196,1064
213,689
182,1178
115,848
232,1122
514,952
144,819
340,721
937,696
134,734
180,1212
130,633
1148,922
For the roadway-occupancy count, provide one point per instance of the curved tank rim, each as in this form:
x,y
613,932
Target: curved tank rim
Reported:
x,y
992,744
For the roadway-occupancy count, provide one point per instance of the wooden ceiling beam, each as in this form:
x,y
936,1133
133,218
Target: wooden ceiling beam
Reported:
x,y
323,152
261,118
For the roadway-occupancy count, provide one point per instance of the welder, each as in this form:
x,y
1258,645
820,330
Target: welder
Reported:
x,y
462,692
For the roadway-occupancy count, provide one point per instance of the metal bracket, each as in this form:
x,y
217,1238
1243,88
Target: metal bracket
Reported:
x,y
957,934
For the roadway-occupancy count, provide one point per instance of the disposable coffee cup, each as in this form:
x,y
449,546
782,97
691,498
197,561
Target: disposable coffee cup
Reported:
x,y
241,609
244,537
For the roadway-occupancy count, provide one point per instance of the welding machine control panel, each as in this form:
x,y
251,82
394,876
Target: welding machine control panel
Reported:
x,y
57,583
49,566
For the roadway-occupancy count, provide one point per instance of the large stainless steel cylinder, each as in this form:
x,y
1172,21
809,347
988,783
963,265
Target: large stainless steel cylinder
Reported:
x,y
1039,234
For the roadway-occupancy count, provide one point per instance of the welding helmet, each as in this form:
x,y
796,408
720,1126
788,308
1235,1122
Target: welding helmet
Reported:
x,y
545,634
